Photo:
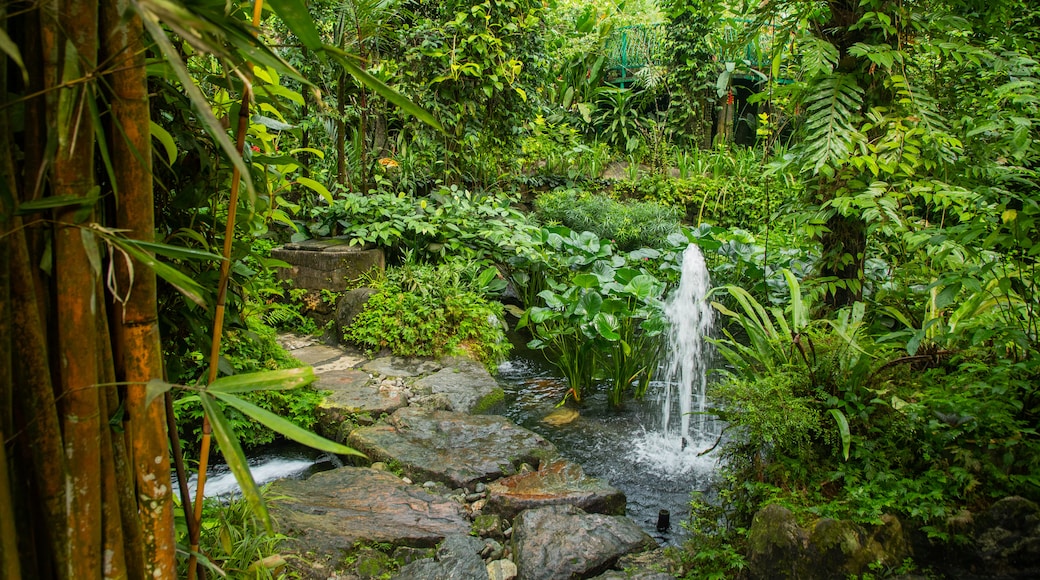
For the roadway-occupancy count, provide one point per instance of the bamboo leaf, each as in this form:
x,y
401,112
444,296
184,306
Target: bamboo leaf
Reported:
x,y
201,104
236,459
285,427
153,389
56,201
175,252
11,50
402,102
280,380
295,15
190,288
166,140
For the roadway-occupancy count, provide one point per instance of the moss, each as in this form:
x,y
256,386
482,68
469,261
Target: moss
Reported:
x,y
489,401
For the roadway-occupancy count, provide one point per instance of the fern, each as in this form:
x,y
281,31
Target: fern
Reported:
x,y
833,113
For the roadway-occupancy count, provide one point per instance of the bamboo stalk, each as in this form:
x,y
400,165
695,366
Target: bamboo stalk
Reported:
x,y
113,541
218,318
137,344
10,566
72,175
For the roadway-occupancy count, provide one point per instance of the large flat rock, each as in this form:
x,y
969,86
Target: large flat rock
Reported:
x,y
564,542
331,511
466,385
560,482
456,449
354,391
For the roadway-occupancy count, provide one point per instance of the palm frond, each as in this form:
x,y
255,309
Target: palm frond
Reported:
x,y
833,115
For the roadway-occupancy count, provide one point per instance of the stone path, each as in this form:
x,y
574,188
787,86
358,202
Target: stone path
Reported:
x,y
448,479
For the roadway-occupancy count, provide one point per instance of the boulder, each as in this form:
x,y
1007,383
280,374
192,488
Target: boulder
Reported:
x,y
778,547
501,570
465,384
458,557
331,264
560,482
350,304
330,512
1007,539
456,449
563,542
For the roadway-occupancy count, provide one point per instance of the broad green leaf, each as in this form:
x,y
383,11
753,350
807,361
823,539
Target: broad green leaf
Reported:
x,y
607,326
363,76
642,286
280,380
799,314
154,388
166,140
586,281
843,430
236,459
285,427
316,187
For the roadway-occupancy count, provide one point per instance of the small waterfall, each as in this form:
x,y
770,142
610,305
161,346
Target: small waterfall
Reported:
x,y
690,318
674,440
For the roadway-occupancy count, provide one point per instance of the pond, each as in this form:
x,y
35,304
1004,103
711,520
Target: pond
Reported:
x,y
620,446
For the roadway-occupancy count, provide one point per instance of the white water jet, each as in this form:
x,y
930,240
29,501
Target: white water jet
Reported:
x,y
690,318
677,438
222,482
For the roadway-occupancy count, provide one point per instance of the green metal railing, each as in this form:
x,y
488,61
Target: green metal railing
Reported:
x,y
630,48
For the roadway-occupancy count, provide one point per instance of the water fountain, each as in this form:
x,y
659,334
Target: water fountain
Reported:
x,y
674,440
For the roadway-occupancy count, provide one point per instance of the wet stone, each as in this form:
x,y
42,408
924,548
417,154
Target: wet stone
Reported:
x,y
331,511
456,449
560,482
396,366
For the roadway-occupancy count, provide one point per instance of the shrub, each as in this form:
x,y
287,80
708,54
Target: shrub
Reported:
x,y
422,310
629,225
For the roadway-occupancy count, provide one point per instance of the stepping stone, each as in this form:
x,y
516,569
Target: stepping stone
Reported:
x,y
456,449
345,361
396,366
466,385
354,393
564,542
331,511
558,483
317,354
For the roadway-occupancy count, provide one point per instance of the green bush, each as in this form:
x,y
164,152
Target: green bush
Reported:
x,y
727,200
629,225
422,310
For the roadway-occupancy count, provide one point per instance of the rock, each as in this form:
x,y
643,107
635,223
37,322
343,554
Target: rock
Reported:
x,y
492,550
779,548
487,526
353,397
396,366
563,542
456,449
317,354
1007,538
501,570
458,557
560,482
466,384
330,264
331,511
350,304
651,565
406,554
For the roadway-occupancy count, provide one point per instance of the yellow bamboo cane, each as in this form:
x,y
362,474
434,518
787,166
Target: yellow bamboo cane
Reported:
x,y
218,318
